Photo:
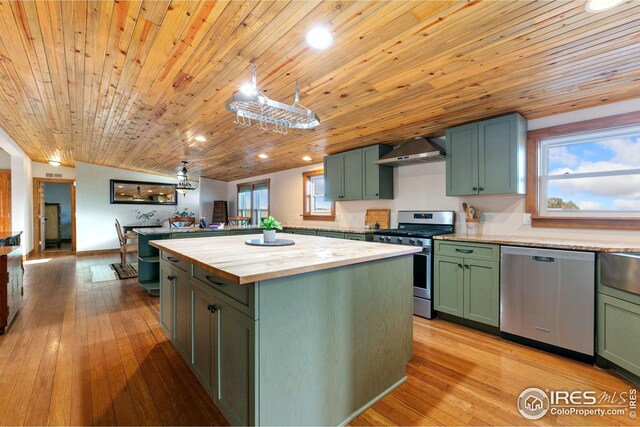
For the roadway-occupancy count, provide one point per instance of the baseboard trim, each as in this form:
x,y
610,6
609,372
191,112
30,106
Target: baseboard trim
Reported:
x,y
373,401
98,252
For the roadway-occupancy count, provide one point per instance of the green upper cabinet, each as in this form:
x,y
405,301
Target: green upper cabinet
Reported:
x,y
353,175
462,160
487,157
334,177
377,181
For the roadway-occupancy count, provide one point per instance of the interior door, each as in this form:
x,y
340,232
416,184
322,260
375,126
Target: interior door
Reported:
x,y
5,200
41,216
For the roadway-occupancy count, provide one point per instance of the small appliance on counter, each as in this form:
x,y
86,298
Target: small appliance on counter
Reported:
x,y
417,228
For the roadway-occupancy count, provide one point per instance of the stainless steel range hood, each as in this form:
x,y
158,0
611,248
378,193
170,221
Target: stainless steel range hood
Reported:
x,y
417,150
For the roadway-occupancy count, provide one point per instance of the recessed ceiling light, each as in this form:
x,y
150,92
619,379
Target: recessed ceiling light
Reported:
x,y
307,158
54,163
247,89
319,38
149,191
162,194
200,138
263,156
600,5
120,186
122,194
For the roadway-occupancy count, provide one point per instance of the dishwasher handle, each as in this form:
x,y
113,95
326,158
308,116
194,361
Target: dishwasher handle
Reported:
x,y
543,259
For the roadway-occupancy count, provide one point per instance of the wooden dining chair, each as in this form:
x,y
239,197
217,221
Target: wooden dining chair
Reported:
x,y
181,221
125,246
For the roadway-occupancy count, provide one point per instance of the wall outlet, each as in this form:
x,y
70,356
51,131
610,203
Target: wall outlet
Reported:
x,y
526,218
483,218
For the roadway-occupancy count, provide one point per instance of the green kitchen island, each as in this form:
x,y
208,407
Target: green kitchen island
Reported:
x,y
309,334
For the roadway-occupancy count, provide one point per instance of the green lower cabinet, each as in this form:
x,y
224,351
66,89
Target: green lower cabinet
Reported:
x,y
223,355
234,362
618,333
182,320
482,291
360,237
203,329
166,300
449,285
332,234
467,288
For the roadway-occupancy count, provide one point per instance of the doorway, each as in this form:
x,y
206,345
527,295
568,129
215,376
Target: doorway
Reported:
x,y
5,200
54,219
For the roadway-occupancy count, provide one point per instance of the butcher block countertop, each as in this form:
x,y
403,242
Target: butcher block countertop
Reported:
x,y
6,250
546,242
231,258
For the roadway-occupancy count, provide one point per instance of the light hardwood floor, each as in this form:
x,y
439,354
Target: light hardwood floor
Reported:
x,y
87,349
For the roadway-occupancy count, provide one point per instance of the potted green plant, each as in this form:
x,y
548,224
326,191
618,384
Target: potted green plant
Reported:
x,y
270,225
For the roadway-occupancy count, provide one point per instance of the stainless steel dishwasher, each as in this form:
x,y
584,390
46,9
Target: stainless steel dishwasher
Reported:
x,y
548,296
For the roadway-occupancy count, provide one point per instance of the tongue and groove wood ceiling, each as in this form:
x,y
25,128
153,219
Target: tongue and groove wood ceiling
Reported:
x,y
130,84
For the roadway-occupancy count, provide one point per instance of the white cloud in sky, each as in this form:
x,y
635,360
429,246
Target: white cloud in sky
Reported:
x,y
624,186
588,205
561,155
626,204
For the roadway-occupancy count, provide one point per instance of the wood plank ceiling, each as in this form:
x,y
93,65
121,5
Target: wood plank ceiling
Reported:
x,y
130,84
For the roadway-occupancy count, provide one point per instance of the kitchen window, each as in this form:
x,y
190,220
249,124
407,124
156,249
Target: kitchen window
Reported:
x,y
314,205
253,200
586,175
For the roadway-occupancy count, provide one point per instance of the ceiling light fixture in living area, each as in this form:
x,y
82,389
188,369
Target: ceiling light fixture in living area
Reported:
x,y
319,38
184,185
200,138
600,5
55,163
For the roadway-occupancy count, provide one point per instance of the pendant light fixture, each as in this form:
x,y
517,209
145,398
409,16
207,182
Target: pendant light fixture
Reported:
x,y
184,185
138,197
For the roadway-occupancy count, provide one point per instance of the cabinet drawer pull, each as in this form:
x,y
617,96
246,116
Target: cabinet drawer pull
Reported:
x,y
465,251
173,259
212,308
210,280
171,278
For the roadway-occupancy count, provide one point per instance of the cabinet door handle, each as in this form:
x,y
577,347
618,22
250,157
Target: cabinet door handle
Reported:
x,y
171,278
464,251
467,266
212,308
210,280
475,188
459,265
481,188
376,194
173,259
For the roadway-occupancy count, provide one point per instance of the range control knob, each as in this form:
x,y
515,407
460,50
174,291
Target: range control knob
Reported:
x,y
412,241
399,239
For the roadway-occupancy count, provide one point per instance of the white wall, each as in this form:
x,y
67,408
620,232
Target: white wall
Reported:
x,y
60,192
422,187
21,190
210,191
5,160
95,216
40,170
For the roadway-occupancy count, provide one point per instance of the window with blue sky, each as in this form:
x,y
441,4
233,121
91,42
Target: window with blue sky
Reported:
x,y
591,173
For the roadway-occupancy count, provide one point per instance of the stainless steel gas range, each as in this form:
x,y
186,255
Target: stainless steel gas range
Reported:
x,y
417,228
